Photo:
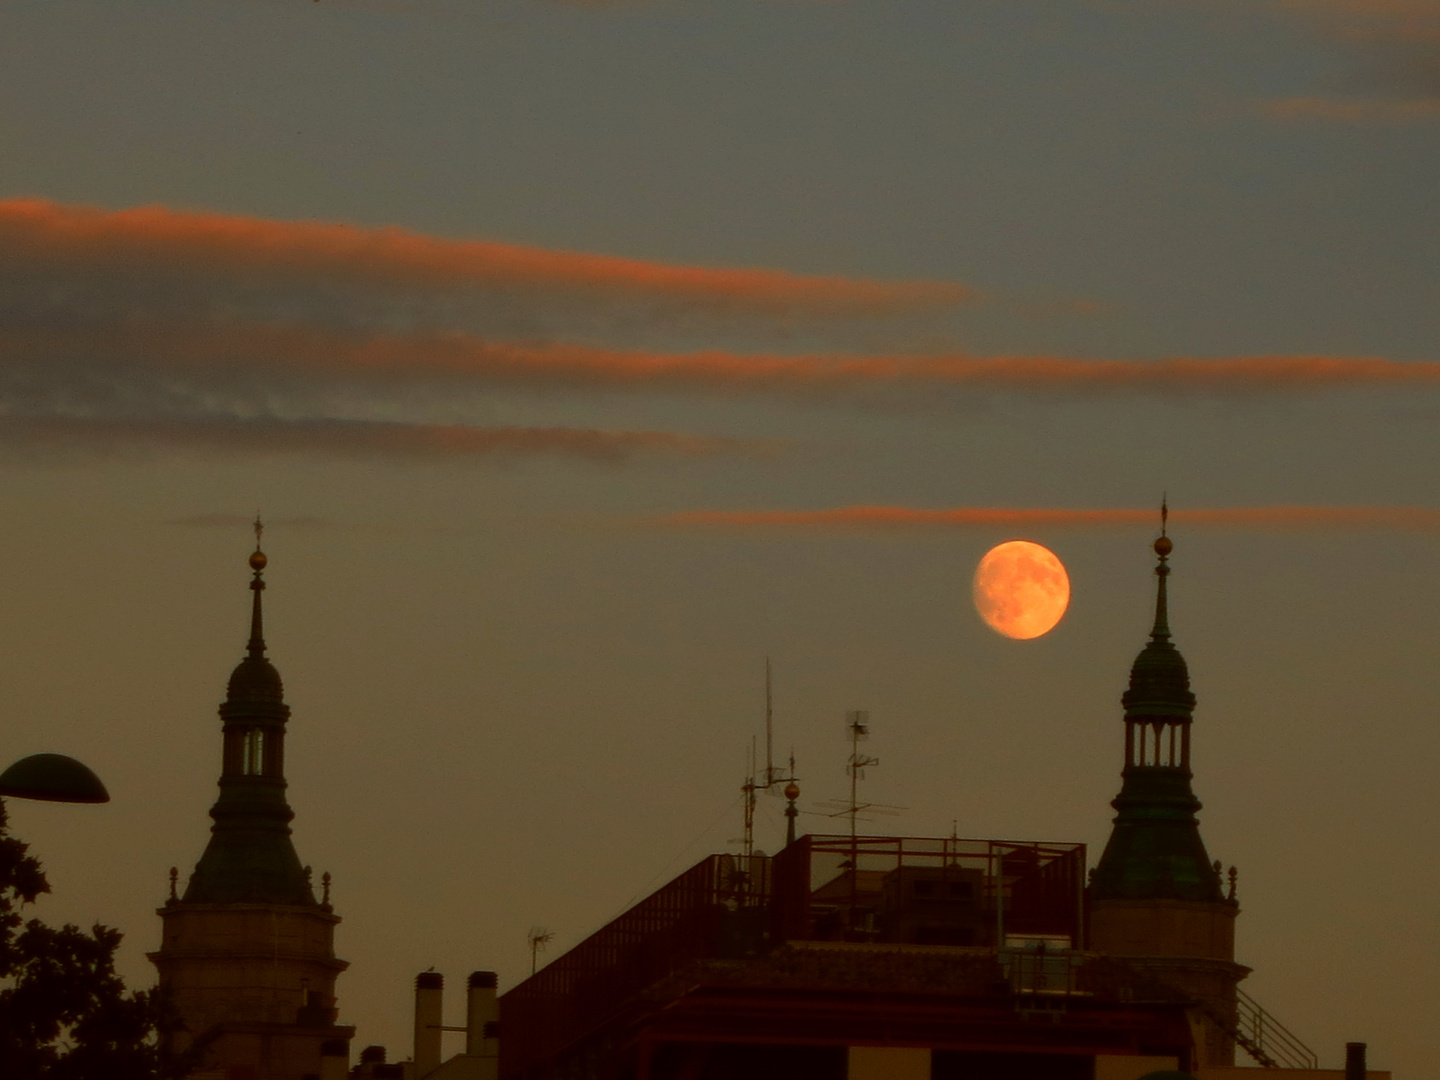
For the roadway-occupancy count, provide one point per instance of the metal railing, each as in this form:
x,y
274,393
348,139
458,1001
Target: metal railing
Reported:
x,y
1270,1044
1268,1041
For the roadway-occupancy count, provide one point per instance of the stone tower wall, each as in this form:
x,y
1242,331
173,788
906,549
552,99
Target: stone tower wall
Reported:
x,y
244,970
1186,945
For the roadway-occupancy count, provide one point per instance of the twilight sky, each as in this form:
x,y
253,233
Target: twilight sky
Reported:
x,y
580,355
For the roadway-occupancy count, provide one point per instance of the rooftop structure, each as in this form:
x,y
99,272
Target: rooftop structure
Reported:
x,y
902,958
964,946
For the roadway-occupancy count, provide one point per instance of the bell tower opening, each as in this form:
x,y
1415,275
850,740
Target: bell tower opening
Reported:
x,y
252,752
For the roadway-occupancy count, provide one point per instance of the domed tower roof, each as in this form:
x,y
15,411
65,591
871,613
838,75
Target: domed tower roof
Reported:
x,y
1159,678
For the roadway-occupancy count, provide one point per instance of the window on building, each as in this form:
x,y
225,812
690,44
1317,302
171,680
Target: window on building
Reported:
x,y
252,753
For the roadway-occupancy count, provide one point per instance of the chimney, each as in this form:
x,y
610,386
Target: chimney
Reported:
x,y
429,994
482,1012
1354,1061
334,1059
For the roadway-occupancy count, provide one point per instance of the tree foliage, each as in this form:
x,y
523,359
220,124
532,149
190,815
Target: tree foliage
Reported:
x,y
64,1012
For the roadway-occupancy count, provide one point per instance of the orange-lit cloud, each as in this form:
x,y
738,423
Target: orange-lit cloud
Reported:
x,y
904,517
70,437
148,237
207,354
1355,110
1417,20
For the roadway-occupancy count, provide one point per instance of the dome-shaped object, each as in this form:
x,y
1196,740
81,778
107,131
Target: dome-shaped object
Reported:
x,y
1159,683
255,679
52,778
792,791
1159,680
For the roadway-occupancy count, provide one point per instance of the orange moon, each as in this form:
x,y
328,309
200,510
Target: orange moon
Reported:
x,y
1021,589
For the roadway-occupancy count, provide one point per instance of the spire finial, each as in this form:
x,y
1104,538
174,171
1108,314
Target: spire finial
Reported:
x,y
258,562
1163,547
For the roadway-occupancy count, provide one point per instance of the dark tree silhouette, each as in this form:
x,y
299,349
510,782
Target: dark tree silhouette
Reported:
x,y
64,1013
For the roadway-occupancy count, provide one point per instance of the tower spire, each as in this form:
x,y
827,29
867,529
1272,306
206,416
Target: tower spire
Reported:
x,y
1155,850
250,856
256,648
1163,547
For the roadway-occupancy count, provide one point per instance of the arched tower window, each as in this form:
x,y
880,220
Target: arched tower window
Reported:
x,y
252,752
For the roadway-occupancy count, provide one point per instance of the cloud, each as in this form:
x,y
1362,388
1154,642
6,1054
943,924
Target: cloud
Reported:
x,y
1354,110
151,239
70,368
82,438
1396,48
903,517
1402,20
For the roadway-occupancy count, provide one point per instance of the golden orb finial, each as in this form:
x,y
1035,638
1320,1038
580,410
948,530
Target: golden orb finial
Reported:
x,y
792,791
257,557
1163,546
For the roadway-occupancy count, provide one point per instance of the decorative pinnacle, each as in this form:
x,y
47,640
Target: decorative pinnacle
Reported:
x,y
258,563
1163,547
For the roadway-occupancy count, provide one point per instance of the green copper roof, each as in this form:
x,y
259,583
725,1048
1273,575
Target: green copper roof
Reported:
x,y
250,857
1155,850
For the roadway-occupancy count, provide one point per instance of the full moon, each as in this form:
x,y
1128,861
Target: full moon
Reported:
x,y
1021,589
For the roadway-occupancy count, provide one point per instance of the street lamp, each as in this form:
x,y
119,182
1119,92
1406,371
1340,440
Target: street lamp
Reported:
x,y
52,778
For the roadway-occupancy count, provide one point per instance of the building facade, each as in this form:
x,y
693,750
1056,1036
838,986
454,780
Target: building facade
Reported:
x,y
247,951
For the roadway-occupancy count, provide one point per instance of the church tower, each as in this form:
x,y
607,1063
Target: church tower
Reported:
x,y
1156,900
247,953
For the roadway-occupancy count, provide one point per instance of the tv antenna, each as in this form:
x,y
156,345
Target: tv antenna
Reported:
x,y
857,730
857,724
539,938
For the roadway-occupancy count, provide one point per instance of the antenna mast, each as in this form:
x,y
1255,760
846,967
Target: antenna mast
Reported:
x,y
769,729
857,722
749,788
771,778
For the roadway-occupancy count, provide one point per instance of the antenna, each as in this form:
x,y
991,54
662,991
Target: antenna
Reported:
x,y
771,779
538,937
749,788
857,723
769,729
